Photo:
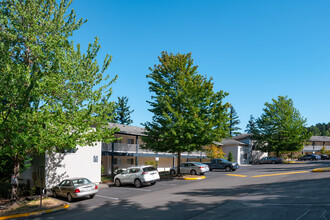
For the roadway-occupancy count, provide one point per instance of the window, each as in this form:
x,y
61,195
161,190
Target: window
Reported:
x,y
134,170
118,141
130,141
65,183
245,156
146,169
130,161
95,159
116,161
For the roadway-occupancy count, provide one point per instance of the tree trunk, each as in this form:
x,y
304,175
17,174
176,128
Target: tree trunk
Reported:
x,y
178,163
14,183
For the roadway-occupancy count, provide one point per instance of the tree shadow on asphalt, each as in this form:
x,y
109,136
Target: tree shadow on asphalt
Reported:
x,y
258,201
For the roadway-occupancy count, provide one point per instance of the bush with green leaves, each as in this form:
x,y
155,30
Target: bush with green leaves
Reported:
x,y
230,157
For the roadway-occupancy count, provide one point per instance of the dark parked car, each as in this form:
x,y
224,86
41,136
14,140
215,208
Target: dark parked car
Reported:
x,y
271,160
310,157
220,163
324,157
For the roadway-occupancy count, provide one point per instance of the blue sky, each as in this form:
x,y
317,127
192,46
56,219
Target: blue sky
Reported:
x,y
255,50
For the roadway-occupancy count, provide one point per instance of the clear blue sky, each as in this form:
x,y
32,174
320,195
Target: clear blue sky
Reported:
x,y
255,50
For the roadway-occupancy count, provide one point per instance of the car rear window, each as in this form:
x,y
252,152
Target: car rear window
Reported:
x,y
146,169
79,182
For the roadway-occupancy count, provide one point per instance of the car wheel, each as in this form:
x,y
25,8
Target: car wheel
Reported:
x,y
193,172
228,169
91,196
117,182
233,170
137,183
172,172
153,183
70,198
273,162
54,194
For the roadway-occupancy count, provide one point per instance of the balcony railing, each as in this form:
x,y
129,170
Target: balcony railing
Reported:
x,y
133,148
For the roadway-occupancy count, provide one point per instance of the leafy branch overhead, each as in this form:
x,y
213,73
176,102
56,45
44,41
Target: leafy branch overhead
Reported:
x,y
50,90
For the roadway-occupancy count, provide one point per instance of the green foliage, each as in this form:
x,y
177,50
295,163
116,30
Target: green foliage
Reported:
x,y
230,157
280,128
251,126
152,163
102,170
233,121
122,112
320,129
187,113
50,90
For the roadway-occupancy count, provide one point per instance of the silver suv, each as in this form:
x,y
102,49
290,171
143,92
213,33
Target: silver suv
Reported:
x,y
138,176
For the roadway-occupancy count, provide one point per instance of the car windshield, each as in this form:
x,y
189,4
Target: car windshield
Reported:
x,y
199,164
224,160
78,182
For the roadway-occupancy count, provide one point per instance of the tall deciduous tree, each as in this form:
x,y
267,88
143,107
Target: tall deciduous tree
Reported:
x,y
187,113
233,122
123,113
49,91
280,128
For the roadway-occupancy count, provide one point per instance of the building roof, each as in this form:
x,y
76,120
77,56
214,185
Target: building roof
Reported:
x,y
231,142
242,136
226,142
320,138
128,129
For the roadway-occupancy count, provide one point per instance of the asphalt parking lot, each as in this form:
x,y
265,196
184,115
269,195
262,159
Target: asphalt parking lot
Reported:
x,y
279,191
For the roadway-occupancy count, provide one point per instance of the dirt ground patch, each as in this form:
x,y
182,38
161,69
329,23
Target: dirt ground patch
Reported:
x,y
31,206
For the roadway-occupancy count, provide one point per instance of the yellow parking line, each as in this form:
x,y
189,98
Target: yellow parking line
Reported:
x,y
278,174
236,175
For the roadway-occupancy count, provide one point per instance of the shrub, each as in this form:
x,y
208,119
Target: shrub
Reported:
x,y
102,169
230,156
152,163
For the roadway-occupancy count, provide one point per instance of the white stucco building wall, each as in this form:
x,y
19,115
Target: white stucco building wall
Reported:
x,y
85,162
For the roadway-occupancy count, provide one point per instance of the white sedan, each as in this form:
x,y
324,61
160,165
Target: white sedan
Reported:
x,y
192,168
138,176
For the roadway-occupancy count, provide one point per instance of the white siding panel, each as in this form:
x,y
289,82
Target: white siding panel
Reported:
x,y
79,164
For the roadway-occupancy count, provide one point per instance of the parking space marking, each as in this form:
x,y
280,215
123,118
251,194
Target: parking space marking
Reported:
x,y
278,174
236,175
107,197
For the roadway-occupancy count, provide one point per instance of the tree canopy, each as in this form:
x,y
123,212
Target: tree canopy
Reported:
x,y
214,151
251,126
233,122
123,113
187,113
280,128
50,90
320,129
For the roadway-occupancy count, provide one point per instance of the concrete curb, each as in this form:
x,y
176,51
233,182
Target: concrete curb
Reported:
x,y
290,162
35,213
195,178
323,169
